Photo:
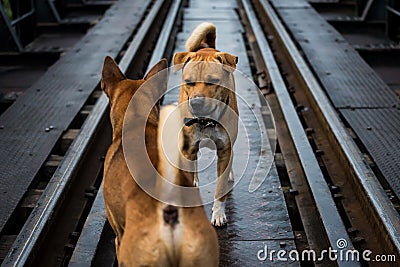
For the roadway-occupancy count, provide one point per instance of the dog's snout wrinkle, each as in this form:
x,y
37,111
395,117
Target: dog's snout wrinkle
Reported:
x,y
170,215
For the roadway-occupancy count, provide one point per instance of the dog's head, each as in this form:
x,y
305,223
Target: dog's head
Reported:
x,y
206,77
120,89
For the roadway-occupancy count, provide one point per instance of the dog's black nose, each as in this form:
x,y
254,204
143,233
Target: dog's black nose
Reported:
x,y
197,105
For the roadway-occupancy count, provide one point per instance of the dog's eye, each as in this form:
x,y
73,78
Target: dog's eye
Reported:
x,y
189,83
212,81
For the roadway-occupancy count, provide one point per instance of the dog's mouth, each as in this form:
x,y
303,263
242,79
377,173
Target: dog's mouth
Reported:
x,y
207,117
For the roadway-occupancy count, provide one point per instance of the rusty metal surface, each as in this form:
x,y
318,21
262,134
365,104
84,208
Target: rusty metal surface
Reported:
x,y
378,130
54,100
348,80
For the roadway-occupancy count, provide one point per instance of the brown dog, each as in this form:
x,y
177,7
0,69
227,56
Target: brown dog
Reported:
x,y
149,232
207,92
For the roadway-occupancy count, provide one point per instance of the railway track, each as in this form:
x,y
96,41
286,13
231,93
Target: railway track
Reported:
x,y
329,188
320,129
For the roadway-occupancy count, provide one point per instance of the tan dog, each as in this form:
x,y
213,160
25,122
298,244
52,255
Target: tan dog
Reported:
x,y
149,233
207,92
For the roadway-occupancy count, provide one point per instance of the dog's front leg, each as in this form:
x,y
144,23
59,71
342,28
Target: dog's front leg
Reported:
x,y
231,176
191,155
193,158
224,166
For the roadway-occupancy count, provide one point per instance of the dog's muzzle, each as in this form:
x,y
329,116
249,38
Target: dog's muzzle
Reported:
x,y
204,121
198,106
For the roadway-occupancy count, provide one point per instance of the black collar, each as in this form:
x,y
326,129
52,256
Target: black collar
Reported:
x,y
206,122
203,122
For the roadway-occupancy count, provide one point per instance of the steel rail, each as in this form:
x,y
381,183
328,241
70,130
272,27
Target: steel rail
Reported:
x,y
372,193
160,50
32,233
332,222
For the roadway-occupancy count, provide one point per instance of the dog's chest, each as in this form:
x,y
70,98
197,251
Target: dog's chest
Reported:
x,y
216,134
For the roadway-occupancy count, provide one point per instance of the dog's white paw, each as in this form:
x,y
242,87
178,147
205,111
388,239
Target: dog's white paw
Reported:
x,y
218,219
218,214
231,177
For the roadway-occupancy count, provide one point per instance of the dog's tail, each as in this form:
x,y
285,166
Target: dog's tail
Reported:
x,y
203,36
169,141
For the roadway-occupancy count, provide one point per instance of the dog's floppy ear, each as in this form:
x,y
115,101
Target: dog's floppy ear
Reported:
x,y
181,58
227,59
110,75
